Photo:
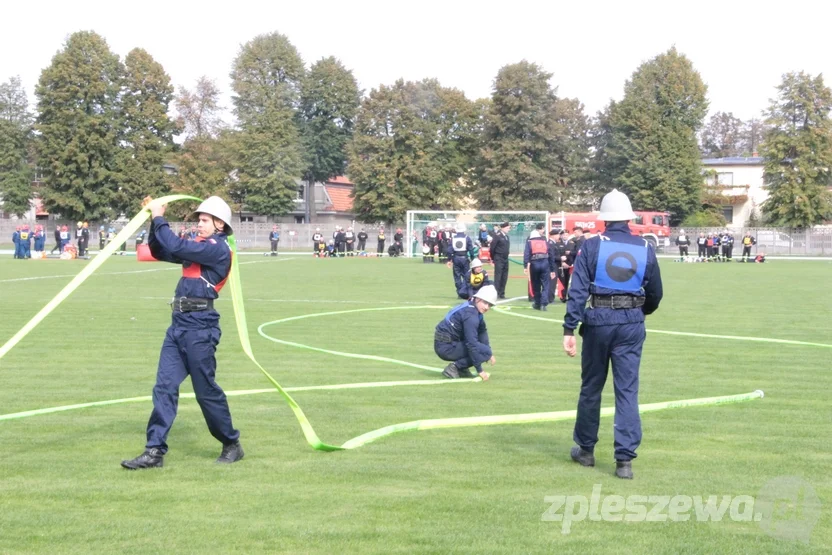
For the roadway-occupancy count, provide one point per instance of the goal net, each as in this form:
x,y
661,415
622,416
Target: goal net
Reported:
x,y
522,223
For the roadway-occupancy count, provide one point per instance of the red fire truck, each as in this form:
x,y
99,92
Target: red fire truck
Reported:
x,y
653,226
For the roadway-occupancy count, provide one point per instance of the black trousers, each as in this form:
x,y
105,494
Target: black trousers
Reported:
x,y
274,246
500,275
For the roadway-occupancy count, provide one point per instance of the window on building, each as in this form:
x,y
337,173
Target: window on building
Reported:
x,y
300,219
246,218
300,192
725,178
728,212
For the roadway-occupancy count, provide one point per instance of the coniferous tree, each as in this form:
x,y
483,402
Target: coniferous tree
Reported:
x,y
649,148
148,131
266,78
798,152
15,139
79,125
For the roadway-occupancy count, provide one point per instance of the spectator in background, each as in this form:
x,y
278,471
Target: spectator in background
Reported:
x,y
683,243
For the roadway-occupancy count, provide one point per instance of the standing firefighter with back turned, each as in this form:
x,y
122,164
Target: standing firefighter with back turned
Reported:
x,y
618,274
192,338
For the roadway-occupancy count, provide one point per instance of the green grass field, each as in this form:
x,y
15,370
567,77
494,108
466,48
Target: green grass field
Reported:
x,y
466,490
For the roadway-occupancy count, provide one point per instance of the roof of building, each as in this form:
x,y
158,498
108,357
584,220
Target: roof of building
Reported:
x,y
338,190
340,197
734,161
340,180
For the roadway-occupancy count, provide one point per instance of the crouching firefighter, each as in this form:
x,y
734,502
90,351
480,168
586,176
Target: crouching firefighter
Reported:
x,y
462,339
476,279
191,340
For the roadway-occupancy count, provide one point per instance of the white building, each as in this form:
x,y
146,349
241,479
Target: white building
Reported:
x,y
740,181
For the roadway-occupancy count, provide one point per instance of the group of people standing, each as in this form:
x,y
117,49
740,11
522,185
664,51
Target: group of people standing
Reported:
x,y
343,243
549,261
22,239
715,247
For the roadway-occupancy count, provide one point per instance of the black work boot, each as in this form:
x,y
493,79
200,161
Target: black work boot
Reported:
x,y
231,453
624,469
583,458
151,458
451,371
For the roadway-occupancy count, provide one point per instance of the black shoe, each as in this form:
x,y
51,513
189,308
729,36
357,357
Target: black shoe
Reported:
x,y
451,371
231,453
624,469
583,458
501,296
151,458
464,373
563,299
536,306
543,308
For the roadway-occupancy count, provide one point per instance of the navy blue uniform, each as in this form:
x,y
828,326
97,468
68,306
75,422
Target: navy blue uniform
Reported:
x,y
473,283
24,240
16,241
613,263
539,258
461,338
192,338
458,253
274,238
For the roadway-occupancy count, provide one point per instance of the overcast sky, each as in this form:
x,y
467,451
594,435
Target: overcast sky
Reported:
x,y
741,49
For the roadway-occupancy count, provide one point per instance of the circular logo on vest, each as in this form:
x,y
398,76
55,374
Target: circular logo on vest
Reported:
x,y
621,266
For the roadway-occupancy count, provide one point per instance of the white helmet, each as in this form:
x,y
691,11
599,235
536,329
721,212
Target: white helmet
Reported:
x,y
476,263
218,208
460,227
681,232
317,229
488,293
616,207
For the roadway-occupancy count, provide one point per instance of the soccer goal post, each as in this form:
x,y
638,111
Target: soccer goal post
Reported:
x,y
522,223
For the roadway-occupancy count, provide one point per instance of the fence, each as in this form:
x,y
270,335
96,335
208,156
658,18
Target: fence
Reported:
x,y
771,241
249,235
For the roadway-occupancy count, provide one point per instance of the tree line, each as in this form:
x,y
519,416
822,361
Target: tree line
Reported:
x,y
102,132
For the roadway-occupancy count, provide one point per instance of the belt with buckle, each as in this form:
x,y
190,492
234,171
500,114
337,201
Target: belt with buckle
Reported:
x,y
615,301
191,304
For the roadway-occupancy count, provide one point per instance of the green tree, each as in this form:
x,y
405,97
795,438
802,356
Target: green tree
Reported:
x,y
266,78
533,144
723,136
329,102
148,131
412,147
15,139
204,163
79,128
798,152
650,150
